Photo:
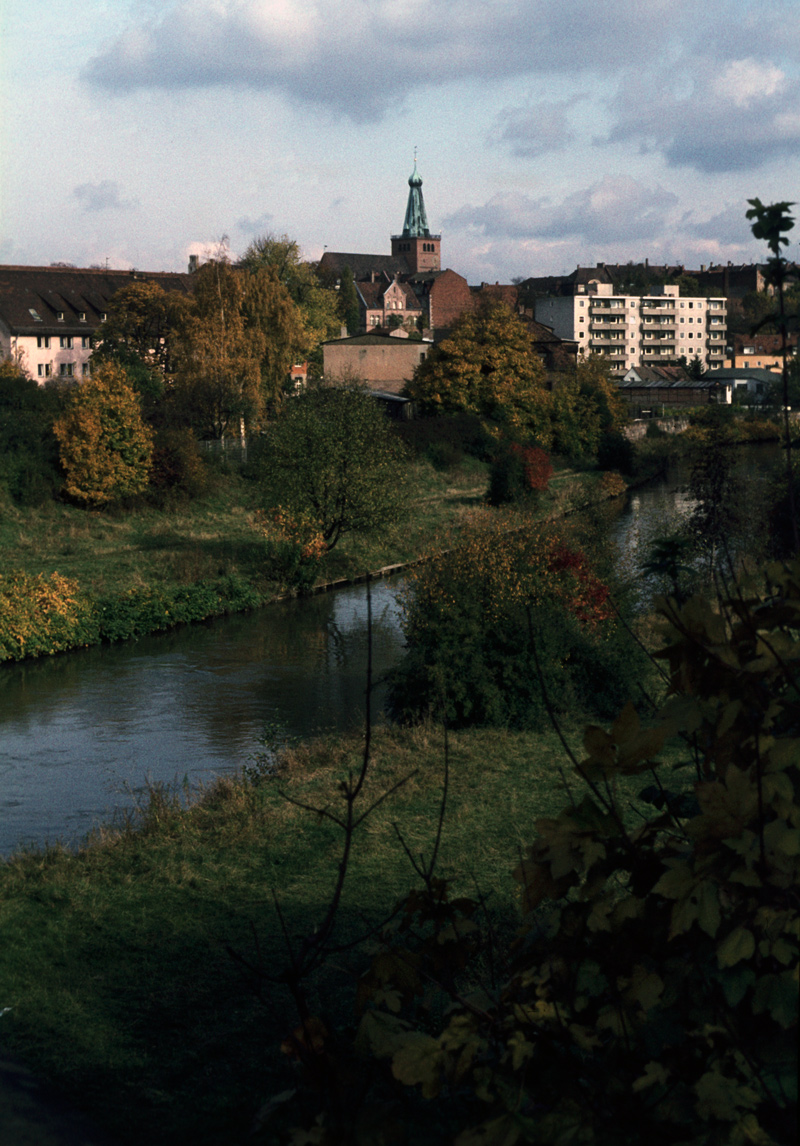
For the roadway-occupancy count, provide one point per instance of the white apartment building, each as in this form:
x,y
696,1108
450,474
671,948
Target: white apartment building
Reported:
x,y
638,330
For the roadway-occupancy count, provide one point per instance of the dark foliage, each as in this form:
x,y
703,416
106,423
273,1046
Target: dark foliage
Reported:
x,y
29,466
616,452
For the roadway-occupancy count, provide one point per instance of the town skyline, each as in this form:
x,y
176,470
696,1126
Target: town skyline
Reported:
x,y
546,137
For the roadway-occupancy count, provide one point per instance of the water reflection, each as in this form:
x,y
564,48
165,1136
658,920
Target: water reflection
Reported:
x,y
79,729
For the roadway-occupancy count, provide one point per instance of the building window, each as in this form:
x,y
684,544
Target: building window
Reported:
x,y
86,369
86,342
67,369
43,341
82,316
65,342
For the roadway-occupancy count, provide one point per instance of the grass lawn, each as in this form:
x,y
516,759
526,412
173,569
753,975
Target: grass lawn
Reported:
x,y
117,963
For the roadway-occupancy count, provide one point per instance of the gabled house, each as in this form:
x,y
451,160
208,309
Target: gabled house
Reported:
x,y
49,315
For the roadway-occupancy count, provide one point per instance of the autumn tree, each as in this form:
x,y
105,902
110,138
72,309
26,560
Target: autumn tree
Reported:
x,y
317,304
486,367
104,444
276,323
143,325
586,405
332,460
218,383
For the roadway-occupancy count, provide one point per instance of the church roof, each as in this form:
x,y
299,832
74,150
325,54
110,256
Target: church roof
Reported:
x,y
362,266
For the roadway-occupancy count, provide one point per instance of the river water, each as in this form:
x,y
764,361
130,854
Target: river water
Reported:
x,y
81,733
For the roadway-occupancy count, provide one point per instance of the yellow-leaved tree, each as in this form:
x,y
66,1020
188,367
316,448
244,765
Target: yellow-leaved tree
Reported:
x,y
104,444
487,367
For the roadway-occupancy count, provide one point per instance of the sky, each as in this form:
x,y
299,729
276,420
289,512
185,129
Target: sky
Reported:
x,y
549,133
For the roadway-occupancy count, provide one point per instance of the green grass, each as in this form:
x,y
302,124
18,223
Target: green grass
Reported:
x,y
117,962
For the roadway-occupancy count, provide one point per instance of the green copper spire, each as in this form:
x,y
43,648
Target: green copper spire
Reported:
x,y
416,222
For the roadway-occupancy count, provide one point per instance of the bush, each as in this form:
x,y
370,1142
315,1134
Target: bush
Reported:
x,y
41,615
453,433
468,619
518,473
29,466
105,446
177,471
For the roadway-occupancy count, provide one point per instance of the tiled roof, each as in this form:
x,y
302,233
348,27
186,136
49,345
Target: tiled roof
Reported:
x,y
362,266
31,298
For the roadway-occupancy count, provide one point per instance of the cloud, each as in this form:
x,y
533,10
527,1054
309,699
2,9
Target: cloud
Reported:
x,y
733,116
727,227
361,57
103,196
261,225
615,209
535,129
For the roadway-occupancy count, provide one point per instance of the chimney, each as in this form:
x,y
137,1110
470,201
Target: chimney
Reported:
x,y
193,263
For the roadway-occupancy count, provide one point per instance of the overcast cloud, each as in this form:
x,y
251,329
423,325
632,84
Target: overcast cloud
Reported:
x,y
550,133
103,196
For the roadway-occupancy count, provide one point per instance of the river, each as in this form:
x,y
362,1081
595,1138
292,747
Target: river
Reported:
x,y
81,733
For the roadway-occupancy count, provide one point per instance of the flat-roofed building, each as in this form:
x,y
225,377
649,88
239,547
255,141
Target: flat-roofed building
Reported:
x,y
634,330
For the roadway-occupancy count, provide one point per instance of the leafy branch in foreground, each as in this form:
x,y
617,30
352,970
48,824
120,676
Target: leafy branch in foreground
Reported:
x,y
770,222
650,993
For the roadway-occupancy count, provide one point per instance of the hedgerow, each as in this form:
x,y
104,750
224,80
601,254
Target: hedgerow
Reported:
x,y
41,615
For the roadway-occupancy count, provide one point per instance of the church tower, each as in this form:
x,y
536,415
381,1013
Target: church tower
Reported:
x,y
420,249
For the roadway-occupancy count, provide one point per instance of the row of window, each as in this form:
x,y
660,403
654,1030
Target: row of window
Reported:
x,y
60,315
65,369
65,341
651,304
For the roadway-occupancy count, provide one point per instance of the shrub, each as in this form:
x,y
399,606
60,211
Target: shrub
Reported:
x,y
105,446
518,472
29,467
294,547
41,615
461,432
177,470
468,618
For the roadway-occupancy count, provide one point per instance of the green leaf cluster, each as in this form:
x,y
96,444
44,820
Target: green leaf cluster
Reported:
x,y
650,993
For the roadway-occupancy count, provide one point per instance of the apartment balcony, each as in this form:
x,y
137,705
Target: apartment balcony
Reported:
x,y
606,324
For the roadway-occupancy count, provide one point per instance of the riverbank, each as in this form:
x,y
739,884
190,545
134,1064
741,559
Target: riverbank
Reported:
x,y
74,578
127,965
